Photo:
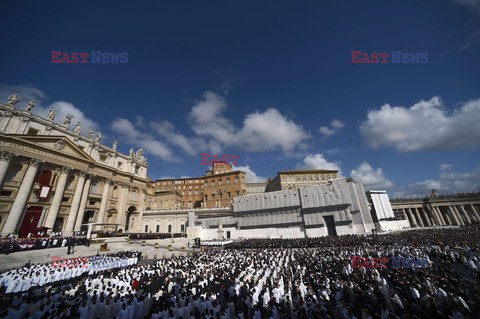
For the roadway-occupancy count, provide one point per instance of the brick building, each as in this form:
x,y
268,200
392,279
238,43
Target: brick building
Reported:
x,y
216,189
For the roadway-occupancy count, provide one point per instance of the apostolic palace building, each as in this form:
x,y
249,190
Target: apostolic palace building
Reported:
x,y
56,180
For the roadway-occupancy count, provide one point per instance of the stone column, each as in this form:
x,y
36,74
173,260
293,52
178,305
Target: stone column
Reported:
x,y
122,206
459,217
453,216
464,211
57,198
474,212
419,218
141,207
77,196
437,210
83,204
464,216
5,159
424,215
104,202
428,217
435,217
412,218
22,197
449,218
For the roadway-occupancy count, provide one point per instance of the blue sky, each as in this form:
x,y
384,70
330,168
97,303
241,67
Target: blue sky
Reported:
x,y
270,81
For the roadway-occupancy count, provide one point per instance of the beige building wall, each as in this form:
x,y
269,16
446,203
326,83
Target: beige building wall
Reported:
x,y
190,190
255,188
301,178
163,200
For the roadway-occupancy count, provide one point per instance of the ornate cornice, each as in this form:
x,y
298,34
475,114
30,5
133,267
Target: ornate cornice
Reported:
x,y
83,174
6,156
34,162
107,181
6,114
63,170
122,184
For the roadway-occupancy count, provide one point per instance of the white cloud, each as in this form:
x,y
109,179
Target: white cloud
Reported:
x,y
227,83
336,151
474,37
65,108
125,129
447,180
251,176
213,132
139,120
445,166
471,4
167,131
370,177
261,131
318,161
336,126
167,177
24,92
425,125
207,120
27,92
270,130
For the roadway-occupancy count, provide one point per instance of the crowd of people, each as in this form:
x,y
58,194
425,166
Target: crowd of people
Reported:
x,y
273,279
467,237
10,244
39,275
156,235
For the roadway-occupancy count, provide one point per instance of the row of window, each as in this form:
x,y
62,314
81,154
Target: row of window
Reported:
x,y
196,182
157,230
221,195
306,178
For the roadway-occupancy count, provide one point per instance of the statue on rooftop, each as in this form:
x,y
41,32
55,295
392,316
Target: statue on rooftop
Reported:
x,y
68,120
30,105
13,99
51,114
139,156
76,129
